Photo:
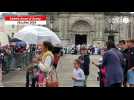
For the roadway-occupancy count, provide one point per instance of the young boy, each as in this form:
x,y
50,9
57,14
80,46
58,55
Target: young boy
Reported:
x,y
78,75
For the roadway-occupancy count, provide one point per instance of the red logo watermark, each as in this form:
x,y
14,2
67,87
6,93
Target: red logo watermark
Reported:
x,y
25,20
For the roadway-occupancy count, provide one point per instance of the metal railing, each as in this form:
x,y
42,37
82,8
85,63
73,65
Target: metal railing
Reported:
x,y
17,60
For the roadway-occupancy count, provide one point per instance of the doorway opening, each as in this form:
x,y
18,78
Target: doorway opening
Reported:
x,y
80,39
111,38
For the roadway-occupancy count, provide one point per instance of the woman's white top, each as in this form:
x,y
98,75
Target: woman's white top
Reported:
x,y
46,65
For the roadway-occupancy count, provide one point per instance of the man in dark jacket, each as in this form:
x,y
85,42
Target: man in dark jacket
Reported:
x,y
112,61
130,44
124,49
85,62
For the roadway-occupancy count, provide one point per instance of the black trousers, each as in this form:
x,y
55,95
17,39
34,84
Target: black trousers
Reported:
x,y
116,85
101,83
125,80
34,80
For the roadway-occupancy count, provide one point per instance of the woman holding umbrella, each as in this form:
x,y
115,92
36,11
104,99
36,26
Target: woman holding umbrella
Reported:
x,y
35,35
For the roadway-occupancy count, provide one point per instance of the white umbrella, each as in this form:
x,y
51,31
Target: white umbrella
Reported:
x,y
37,34
4,39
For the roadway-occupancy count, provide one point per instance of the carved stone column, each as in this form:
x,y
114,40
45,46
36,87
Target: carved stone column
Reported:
x,y
132,27
101,27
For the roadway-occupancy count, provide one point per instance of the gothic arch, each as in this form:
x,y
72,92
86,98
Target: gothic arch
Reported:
x,y
81,26
85,20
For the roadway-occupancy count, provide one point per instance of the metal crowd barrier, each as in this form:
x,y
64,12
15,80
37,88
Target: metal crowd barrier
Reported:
x,y
18,60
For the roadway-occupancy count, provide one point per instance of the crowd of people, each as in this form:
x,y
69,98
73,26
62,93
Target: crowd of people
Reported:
x,y
81,69
44,62
116,68
41,56
127,49
12,55
77,49
47,59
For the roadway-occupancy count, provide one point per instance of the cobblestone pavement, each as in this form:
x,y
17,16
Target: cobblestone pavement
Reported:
x,y
65,68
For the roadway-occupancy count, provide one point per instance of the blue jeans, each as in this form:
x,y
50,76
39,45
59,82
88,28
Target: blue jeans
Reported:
x,y
130,77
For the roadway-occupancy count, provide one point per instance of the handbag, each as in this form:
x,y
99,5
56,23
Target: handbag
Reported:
x,y
41,79
52,79
103,76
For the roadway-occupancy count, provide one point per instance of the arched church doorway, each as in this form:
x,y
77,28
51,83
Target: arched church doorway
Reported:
x,y
81,31
80,39
111,38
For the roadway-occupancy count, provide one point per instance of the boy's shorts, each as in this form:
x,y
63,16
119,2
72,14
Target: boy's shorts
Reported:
x,y
130,77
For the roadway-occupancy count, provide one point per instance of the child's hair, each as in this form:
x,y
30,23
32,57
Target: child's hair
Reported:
x,y
77,61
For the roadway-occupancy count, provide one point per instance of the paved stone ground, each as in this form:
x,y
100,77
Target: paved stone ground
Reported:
x,y
65,68
15,79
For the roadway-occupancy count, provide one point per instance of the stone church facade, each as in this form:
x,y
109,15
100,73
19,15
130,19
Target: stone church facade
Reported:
x,y
96,26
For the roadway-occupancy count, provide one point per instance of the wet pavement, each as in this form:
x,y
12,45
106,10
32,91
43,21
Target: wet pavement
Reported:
x,y
65,69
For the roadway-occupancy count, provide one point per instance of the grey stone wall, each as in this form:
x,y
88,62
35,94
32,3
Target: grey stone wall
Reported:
x,y
64,22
